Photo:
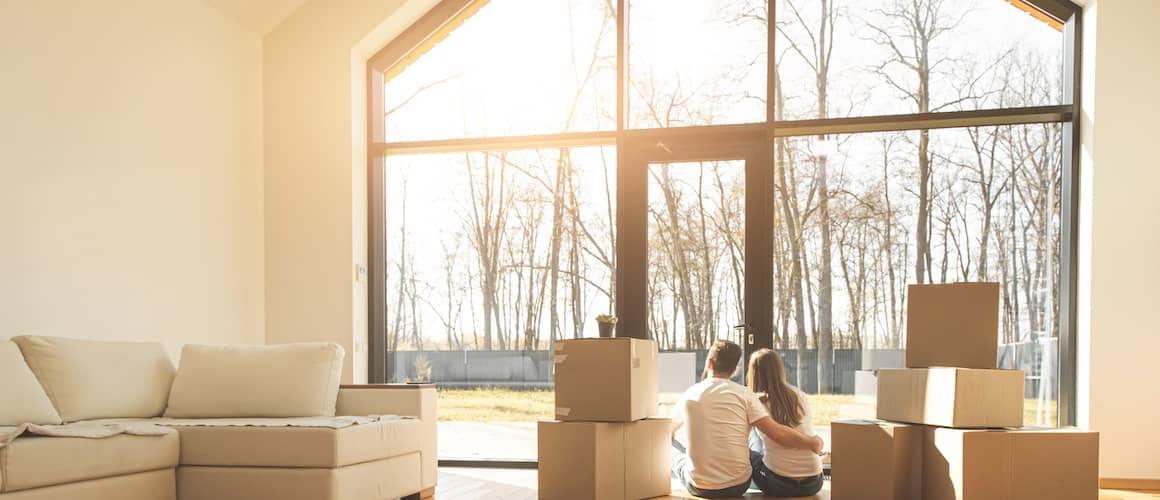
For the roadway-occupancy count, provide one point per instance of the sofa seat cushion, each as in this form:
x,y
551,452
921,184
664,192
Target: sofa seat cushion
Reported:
x,y
152,485
36,461
317,447
381,479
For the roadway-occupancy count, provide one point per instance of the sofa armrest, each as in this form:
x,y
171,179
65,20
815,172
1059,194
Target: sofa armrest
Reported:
x,y
411,400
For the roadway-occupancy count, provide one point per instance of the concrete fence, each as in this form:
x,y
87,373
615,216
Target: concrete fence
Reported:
x,y
680,369
532,369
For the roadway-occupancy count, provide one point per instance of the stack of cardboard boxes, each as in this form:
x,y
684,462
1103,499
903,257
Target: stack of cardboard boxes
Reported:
x,y
950,424
604,443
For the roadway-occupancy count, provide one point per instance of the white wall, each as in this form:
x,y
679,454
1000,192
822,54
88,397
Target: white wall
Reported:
x,y
315,178
1119,316
130,172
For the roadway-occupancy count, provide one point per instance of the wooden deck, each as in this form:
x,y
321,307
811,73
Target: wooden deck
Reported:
x,y
520,484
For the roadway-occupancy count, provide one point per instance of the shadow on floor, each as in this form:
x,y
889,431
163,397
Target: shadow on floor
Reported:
x,y
756,495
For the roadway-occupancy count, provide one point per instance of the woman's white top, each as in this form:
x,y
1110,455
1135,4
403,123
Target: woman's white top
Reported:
x,y
792,462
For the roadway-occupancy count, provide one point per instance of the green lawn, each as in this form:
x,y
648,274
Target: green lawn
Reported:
x,y
495,405
506,405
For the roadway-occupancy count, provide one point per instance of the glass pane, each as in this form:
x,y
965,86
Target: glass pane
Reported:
x,y
516,67
696,62
696,257
490,258
696,265
992,209
839,58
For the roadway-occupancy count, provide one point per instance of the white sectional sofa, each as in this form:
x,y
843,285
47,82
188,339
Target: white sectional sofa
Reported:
x,y
116,421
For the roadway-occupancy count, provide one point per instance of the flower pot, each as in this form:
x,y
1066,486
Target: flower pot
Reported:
x,y
606,329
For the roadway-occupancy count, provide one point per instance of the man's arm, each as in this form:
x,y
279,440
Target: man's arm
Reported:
x,y
786,436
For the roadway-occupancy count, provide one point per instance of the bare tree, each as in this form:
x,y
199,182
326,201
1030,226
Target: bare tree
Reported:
x,y
490,202
815,46
908,29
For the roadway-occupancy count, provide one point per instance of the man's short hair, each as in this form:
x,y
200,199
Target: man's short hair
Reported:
x,y
725,356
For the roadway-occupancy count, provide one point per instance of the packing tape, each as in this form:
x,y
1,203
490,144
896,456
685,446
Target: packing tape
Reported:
x,y
562,411
636,362
560,358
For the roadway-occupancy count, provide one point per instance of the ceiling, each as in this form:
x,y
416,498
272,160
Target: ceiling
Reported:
x,y
259,16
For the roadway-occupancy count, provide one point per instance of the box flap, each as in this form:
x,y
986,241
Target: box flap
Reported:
x,y
611,456
647,458
867,452
568,461
988,398
589,364
1062,465
645,377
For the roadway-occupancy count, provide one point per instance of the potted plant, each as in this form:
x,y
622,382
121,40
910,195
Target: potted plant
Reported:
x,y
607,324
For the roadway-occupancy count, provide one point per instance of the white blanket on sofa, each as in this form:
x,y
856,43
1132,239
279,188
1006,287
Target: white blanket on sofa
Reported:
x,y
91,430
98,429
341,422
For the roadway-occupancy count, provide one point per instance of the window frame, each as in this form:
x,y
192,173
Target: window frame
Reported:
x,y
636,148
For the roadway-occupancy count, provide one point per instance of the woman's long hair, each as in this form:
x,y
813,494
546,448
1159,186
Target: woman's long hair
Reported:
x,y
766,377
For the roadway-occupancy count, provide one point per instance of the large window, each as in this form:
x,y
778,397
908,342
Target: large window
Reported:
x,y
775,172
841,272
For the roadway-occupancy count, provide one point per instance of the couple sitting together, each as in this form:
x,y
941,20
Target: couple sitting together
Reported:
x,y
732,435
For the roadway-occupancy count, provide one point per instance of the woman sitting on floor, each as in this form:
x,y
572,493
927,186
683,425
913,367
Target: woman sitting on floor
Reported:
x,y
779,471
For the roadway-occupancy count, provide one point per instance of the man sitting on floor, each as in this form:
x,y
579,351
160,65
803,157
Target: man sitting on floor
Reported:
x,y
716,415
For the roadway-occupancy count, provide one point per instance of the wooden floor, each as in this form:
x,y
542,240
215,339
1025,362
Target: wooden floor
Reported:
x,y
520,484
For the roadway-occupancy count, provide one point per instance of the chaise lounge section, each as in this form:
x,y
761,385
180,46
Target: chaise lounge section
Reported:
x,y
58,442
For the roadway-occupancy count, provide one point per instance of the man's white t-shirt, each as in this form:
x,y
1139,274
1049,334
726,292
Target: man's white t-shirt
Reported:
x,y
716,415
792,462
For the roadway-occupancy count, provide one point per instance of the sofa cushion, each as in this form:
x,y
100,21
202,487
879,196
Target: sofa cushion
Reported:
x,y
24,401
291,380
88,379
152,485
298,446
34,462
388,478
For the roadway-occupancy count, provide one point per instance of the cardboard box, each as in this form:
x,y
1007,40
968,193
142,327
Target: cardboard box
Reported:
x,y
874,460
604,460
1021,464
952,325
606,379
951,397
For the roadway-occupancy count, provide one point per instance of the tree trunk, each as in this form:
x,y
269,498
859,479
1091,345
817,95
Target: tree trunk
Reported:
x,y
825,289
922,239
554,251
895,326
